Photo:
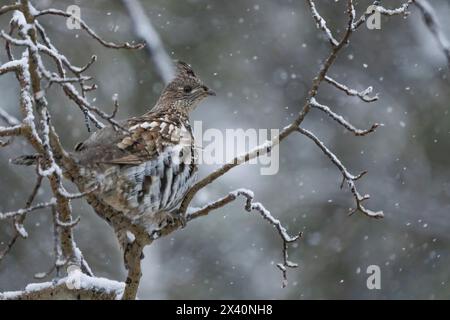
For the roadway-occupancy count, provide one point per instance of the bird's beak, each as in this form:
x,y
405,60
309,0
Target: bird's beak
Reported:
x,y
208,91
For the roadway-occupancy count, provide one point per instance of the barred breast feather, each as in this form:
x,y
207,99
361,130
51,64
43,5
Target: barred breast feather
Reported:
x,y
143,172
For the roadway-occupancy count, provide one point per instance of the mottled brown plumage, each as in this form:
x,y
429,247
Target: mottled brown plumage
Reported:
x,y
145,172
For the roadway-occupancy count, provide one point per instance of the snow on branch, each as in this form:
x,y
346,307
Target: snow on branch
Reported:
x,y
397,11
321,23
250,205
76,286
88,29
14,128
11,66
66,83
9,7
53,52
55,164
347,176
295,126
363,95
18,221
401,10
9,119
21,212
11,131
339,119
36,127
351,13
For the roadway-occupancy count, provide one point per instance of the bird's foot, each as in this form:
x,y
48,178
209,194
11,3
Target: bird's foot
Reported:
x,y
174,219
183,221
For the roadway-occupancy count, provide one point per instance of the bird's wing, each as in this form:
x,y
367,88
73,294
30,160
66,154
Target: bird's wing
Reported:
x,y
147,137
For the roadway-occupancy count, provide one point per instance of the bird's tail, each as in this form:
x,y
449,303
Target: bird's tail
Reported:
x,y
25,160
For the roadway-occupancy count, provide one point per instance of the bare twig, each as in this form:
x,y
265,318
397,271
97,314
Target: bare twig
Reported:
x,y
9,246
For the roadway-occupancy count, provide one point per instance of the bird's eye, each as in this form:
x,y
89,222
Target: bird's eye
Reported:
x,y
187,89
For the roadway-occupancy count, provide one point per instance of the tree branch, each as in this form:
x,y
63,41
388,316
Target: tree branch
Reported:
x,y
266,147
75,286
9,7
401,10
91,32
21,212
363,95
250,205
347,176
322,24
8,119
339,119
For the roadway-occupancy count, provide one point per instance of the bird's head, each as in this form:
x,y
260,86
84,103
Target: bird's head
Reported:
x,y
185,91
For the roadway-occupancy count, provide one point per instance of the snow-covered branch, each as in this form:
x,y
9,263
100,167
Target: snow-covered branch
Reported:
x,y
295,127
21,212
8,119
19,229
89,30
250,205
11,131
288,130
66,83
9,7
321,23
339,119
37,128
401,10
347,176
75,286
363,95
11,66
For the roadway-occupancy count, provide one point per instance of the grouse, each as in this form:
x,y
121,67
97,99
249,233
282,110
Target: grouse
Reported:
x,y
145,169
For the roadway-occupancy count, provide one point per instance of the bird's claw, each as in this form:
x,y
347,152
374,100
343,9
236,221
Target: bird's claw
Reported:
x,y
183,220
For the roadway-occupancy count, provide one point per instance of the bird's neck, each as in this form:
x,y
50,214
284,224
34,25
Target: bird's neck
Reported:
x,y
172,107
